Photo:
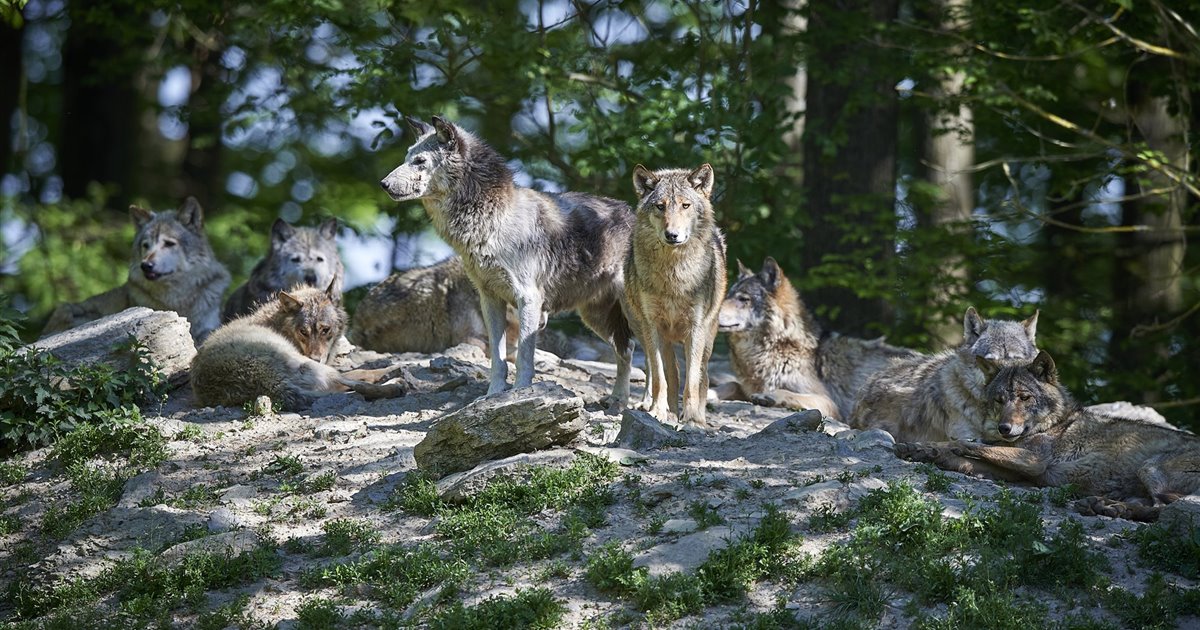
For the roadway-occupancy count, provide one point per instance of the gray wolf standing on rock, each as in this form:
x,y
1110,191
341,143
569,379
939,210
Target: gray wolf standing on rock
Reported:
x,y
941,397
427,309
541,253
297,256
280,350
779,355
674,281
172,268
1130,467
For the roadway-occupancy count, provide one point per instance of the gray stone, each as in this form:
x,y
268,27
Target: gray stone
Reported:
x,y
166,336
636,375
341,431
834,493
228,544
640,430
679,526
687,553
239,494
807,420
223,519
140,488
622,456
834,428
1129,411
262,407
499,426
1183,514
460,486
874,438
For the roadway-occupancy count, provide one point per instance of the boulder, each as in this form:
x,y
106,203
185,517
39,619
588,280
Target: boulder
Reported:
x,y
1182,514
807,420
640,430
166,336
498,426
460,486
229,544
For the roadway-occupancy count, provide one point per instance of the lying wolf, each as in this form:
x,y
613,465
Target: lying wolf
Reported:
x,y
538,252
780,357
280,350
1130,468
297,256
940,397
172,268
674,281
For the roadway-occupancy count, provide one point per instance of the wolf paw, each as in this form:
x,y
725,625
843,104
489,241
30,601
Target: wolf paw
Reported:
x,y
765,399
917,452
372,391
1101,506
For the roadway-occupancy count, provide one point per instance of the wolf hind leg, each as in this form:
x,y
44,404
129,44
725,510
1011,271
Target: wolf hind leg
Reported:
x,y
529,319
609,323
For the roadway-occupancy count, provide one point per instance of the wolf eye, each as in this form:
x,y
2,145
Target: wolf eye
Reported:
x,y
419,160
742,298
324,330
296,258
1025,397
320,259
170,243
686,205
662,205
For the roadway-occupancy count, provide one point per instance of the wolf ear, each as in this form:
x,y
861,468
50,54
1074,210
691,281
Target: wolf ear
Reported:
x,y
289,302
140,216
973,326
329,292
419,127
191,214
1043,368
988,367
281,232
446,133
644,181
328,229
702,179
1030,326
743,272
771,273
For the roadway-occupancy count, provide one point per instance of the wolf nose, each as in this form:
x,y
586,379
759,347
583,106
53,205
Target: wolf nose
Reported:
x,y
148,267
672,237
310,278
383,184
1006,429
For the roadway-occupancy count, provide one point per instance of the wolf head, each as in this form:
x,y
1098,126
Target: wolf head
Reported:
x,y
999,341
168,242
674,203
750,300
305,256
1027,398
313,319
440,159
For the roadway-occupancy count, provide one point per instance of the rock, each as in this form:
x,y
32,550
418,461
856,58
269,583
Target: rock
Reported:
x,y
341,431
262,407
453,384
223,519
807,420
1129,411
459,487
834,493
1183,514
872,438
636,375
687,553
640,430
229,544
835,428
140,488
166,336
622,456
501,425
679,526
239,494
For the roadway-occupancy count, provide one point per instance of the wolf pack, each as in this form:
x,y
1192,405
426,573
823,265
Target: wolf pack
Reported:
x,y
653,274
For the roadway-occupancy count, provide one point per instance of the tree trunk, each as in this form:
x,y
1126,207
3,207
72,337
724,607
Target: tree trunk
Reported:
x,y
849,144
10,85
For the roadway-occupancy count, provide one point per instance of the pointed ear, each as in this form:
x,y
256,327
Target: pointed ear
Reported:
x,y
743,272
771,274
289,302
191,214
973,326
1030,326
446,132
988,367
140,216
329,292
702,179
328,229
418,126
1043,368
281,232
644,181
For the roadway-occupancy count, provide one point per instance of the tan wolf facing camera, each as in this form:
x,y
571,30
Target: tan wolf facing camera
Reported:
x,y
297,256
781,358
674,282
1130,468
941,397
280,351
172,268
427,309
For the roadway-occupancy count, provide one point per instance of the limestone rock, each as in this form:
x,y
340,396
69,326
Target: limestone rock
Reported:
x,y
229,544
688,553
1183,514
140,488
501,425
807,420
166,335
460,486
640,430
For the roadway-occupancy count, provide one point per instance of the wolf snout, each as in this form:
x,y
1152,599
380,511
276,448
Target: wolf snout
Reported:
x,y
149,272
1010,431
674,238
310,278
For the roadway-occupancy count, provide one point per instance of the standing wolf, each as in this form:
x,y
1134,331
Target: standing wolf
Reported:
x,y
541,253
172,268
280,350
781,358
941,397
1132,468
674,281
297,256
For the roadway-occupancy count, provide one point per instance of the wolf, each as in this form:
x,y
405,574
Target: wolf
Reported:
x,y
541,253
674,282
172,268
940,397
1130,468
780,356
281,350
297,255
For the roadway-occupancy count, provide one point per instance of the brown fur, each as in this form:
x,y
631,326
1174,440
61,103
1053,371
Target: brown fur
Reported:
x,y
674,281
297,255
1130,467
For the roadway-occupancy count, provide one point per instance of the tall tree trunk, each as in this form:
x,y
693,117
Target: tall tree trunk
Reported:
x,y
849,144
101,103
11,71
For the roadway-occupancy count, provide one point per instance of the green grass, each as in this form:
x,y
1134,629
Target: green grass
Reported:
x,y
1158,607
535,609
705,515
96,489
144,445
9,524
1177,550
319,614
345,535
396,574
284,466
12,472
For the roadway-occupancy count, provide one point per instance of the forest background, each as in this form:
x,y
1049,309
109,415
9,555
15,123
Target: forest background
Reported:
x,y
902,159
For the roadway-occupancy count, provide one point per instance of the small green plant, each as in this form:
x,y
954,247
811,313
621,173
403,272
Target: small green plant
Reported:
x,y
417,494
344,535
9,524
396,574
827,518
536,609
1176,550
97,489
12,472
319,614
654,526
191,433
284,466
197,496
935,479
704,514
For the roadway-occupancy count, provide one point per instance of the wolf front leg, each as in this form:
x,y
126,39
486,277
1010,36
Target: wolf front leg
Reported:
x,y
494,313
529,319
696,348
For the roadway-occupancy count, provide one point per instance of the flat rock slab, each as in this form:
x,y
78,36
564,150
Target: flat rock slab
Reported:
x,y
498,426
229,544
460,486
689,552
